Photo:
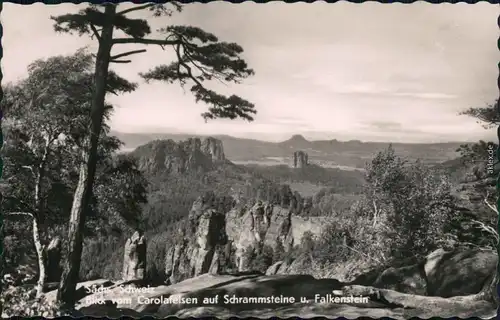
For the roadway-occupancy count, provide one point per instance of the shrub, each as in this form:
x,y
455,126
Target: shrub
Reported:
x,y
102,258
21,302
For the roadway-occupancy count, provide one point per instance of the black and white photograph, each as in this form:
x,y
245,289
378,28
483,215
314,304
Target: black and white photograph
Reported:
x,y
250,160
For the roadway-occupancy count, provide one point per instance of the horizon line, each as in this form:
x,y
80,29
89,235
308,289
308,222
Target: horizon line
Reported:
x,y
290,138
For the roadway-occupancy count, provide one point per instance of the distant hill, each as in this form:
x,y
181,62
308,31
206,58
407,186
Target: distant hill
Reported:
x,y
327,153
180,171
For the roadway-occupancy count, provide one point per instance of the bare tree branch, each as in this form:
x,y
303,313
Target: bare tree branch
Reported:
x,y
487,229
26,214
30,168
127,54
492,207
95,32
119,61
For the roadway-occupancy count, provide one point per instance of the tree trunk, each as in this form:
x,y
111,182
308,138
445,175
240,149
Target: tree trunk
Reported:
x,y
71,265
40,256
375,213
38,219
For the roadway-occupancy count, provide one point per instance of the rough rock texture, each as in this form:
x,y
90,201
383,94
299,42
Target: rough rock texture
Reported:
x,y
382,302
53,260
442,273
274,268
459,272
172,157
408,279
216,242
213,147
134,261
300,159
197,253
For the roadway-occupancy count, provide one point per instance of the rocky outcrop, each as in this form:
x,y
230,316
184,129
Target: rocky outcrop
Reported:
x,y
442,273
202,238
180,157
407,279
300,159
215,241
134,261
459,272
199,292
214,148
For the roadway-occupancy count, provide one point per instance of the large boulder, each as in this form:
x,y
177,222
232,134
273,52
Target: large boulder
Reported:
x,y
134,260
442,273
459,272
408,279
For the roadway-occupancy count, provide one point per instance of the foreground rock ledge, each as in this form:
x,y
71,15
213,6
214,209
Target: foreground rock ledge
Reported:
x,y
382,302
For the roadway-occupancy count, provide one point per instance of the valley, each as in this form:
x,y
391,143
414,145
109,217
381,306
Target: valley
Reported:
x,y
209,216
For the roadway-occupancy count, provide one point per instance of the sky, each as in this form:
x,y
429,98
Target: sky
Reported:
x,y
370,72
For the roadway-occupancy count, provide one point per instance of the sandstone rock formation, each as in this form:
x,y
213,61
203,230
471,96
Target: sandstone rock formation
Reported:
x,y
459,272
134,261
53,260
300,159
381,303
213,147
274,268
442,273
216,241
180,157
407,279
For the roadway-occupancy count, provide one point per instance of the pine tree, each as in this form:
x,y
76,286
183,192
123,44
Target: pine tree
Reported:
x,y
200,57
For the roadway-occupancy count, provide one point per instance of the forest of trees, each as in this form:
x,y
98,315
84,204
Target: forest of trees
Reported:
x,y
75,88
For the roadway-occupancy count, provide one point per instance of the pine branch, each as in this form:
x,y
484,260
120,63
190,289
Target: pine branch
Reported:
x,y
127,54
119,61
184,64
146,41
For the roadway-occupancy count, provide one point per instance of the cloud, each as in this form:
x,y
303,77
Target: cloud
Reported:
x,y
392,90
385,125
426,95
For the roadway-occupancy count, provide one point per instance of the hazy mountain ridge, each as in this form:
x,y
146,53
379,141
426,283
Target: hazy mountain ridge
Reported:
x,y
351,153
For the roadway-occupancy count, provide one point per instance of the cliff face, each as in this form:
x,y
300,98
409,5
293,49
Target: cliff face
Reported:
x,y
180,157
217,241
214,148
300,159
134,261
